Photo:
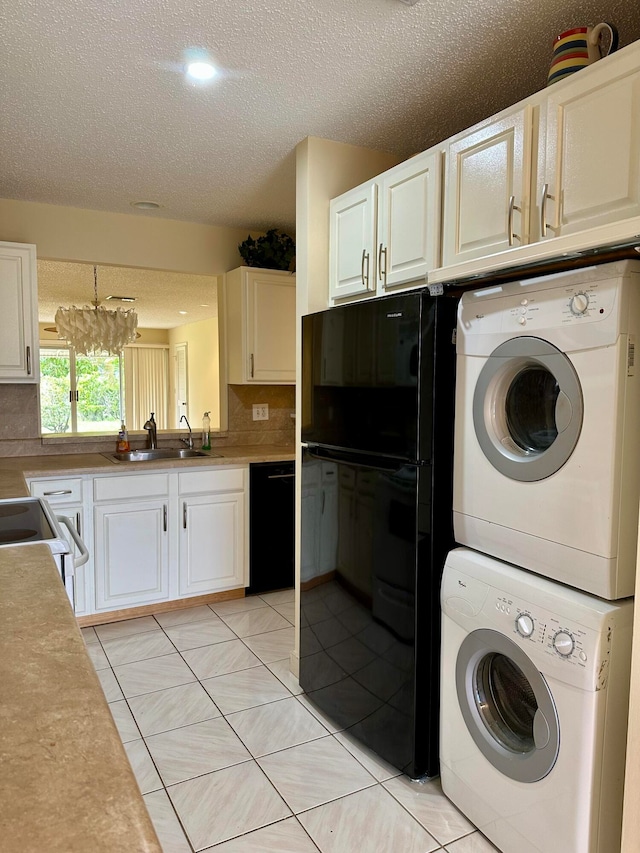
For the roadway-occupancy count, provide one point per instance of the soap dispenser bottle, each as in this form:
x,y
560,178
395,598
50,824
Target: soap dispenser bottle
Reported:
x,y
206,431
122,445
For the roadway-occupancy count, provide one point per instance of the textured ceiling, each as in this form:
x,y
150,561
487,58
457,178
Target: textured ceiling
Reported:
x,y
156,293
96,112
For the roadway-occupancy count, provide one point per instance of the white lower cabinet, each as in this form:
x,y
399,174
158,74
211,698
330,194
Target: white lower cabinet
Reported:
x,y
131,554
211,543
212,509
82,574
320,520
155,536
186,538
65,495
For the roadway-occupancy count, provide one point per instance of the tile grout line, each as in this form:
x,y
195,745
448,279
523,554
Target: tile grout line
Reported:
x,y
265,664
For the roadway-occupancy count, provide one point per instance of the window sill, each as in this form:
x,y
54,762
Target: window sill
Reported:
x,y
93,437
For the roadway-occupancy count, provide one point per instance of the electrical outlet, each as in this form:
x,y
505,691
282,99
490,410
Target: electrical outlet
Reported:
x,y
261,411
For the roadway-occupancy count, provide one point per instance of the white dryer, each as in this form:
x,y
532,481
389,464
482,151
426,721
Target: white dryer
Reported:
x,y
547,456
534,702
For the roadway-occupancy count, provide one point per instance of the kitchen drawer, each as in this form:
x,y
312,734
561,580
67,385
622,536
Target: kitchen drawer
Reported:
x,y
132,487
218,480
67,491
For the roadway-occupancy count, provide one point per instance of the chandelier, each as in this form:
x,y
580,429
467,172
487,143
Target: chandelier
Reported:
x,y
97,329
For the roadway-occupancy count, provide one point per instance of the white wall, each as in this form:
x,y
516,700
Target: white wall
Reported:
x,y
203,371
134,240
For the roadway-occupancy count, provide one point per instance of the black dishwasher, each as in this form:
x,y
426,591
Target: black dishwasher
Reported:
x,y
271,526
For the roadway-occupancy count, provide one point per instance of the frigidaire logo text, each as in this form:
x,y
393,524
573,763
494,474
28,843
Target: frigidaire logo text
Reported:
x,y
394,314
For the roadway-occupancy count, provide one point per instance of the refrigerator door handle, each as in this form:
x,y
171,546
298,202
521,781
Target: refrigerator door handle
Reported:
x,y
363,460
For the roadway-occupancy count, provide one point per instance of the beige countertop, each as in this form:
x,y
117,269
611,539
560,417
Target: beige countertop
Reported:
x,y
66,785
13,469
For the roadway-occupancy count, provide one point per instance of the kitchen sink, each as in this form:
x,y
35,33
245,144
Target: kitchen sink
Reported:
x,y
148,455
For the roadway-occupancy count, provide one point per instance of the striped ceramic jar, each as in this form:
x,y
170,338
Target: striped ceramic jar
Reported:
x,y
576,48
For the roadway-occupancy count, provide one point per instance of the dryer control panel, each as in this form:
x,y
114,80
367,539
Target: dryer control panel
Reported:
x,y
576,309
536,310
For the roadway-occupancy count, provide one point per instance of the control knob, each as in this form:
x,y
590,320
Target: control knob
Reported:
x,y
563,643
579,303
524,625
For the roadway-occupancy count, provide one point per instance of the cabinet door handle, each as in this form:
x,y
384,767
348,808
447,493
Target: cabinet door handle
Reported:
x,y
251,365
512,206
281,476
79,523
73,592
164,517
382,273
57,492
365,278
28,361
184,515
543,210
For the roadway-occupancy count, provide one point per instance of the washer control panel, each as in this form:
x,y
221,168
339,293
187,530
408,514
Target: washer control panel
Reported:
x,y
564,640
566,634
525,626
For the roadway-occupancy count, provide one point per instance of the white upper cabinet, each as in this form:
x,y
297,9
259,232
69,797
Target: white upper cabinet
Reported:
x,y
352,242
261,326
386,233
19,324
591,175
554,174
409,220
486,200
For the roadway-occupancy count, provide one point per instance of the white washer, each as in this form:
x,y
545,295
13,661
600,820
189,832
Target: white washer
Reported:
x,y
534,702
547,456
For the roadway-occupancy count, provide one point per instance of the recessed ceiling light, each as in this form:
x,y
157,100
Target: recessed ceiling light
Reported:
x,y
204,304
201,71
145,205
182,312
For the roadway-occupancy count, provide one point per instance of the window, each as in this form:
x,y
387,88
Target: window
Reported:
x,y
82,393
79,393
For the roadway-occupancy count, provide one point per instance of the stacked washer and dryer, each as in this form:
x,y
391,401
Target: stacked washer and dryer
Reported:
x,y
537,609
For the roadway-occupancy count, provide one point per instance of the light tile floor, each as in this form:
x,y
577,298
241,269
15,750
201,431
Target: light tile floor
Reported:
x,y
231,756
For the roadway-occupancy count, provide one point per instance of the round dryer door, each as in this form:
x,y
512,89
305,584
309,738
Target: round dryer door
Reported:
x,y
507,706
527,409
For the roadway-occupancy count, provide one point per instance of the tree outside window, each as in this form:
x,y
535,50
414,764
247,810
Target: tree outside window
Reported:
x,y
79,393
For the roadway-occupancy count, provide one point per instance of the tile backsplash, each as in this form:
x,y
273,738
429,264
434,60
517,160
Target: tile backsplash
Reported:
x,y
20,422
279,429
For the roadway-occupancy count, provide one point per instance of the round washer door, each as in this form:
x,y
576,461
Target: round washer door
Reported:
x,y
507,706
527,409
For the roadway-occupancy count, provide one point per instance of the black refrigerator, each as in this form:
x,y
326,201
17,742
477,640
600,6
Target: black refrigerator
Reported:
x,y
377,432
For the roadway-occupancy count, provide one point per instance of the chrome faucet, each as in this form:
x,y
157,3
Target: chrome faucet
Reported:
x,y
187,441
150,425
